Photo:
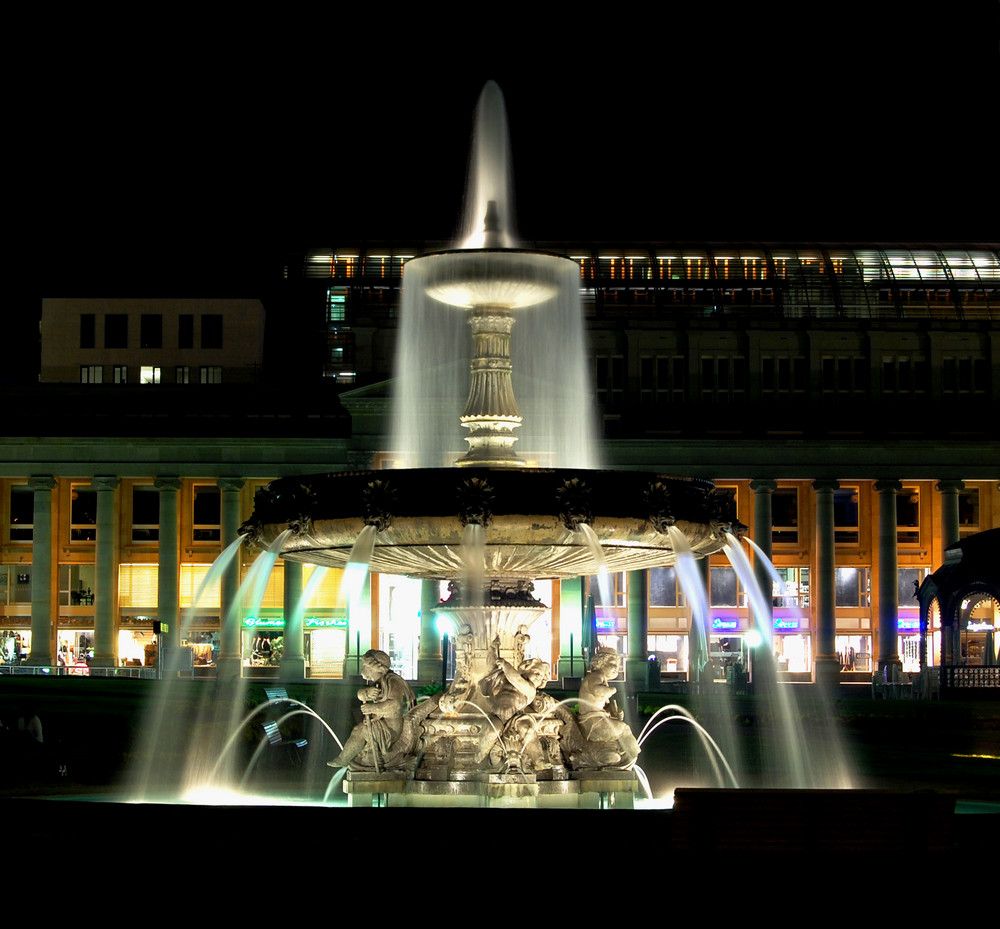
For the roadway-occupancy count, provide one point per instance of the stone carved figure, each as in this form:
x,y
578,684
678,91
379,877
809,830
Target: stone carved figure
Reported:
x,y
521,642
609,740
383,738
510,692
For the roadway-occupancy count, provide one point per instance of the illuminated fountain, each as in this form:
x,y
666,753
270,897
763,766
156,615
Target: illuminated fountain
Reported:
x,y
491,526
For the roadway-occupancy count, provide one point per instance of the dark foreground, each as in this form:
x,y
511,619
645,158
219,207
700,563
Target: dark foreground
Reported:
x,y
927,773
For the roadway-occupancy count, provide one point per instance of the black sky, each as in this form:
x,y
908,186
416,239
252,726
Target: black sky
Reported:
x,y
190,156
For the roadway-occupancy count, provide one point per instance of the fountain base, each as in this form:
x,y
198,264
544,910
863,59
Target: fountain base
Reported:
x,y
587,791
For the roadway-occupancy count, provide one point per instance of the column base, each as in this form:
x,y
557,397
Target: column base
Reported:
x,y
100,661
429,669
39,661
637,675
292,669
826,670
891,668
229,668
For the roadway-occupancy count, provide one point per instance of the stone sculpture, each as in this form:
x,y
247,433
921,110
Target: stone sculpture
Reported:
x,y
385,735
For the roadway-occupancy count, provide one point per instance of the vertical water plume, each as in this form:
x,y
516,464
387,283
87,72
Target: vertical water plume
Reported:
x,y
357,566
741,565
600,563
490,176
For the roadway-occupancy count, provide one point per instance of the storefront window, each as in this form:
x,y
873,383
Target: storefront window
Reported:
x,y
795,582
855,652
671,651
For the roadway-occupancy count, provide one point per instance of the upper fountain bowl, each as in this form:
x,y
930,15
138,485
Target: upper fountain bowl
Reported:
x,y
508,278
532,519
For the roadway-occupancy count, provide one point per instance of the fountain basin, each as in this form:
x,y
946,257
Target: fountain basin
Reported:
x,y
531,517
508,278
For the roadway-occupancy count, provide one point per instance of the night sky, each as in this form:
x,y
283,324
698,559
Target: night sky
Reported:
x,y
191,163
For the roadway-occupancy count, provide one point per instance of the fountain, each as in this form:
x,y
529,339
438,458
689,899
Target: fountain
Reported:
x,y
491,526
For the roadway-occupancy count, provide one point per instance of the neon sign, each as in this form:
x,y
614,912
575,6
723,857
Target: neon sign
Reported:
x,y
786,624
719,623
908,625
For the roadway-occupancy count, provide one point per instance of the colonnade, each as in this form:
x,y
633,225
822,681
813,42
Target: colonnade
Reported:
x,y
44,608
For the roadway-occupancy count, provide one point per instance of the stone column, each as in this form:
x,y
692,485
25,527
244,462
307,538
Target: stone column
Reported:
x,y
105,581
429,658
231,636
762,490
570,624
827,664
168,572
293,655
949,491
43,608
636,665
888,579
698,636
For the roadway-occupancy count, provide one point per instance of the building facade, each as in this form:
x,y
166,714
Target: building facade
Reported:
x,y
846,396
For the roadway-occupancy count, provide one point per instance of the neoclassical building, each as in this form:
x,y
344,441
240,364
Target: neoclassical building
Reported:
x,y
846,396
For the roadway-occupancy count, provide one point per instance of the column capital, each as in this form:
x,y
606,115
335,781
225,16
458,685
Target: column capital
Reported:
x,y
888,486
825,484
41,482
230,484
104,482
763,486
167,483
949,486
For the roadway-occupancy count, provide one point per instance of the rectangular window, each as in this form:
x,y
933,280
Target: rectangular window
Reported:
x,y
22,514
845,516
785,516
145,514
121,374
784,376
796,588
182,374
211,374
663,587
909,580
91,374
83,514
723,587
661,378
853,587
336,304
968,511
149,374
843,376
610,378
211,330
151,330
185,330
116,330
908,516
206,521
88,330
76,585
723,378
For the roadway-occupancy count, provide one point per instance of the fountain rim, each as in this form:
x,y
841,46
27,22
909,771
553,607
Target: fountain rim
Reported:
x,y
491,251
